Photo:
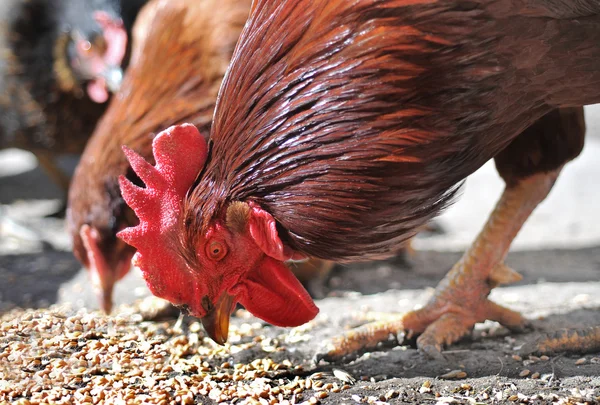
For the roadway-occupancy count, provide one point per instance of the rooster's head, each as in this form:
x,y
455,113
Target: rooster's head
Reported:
x,y
237,258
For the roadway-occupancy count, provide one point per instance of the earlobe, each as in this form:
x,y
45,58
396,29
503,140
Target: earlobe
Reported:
x,y
263,229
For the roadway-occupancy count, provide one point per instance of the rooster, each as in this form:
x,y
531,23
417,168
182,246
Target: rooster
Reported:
x,y
58,62
343,126
181,49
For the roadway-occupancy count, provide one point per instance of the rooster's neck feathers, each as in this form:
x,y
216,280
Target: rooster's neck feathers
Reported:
x,y
312,132
353,122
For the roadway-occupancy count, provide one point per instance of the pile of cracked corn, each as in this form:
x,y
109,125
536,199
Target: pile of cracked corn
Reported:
x,y
60,356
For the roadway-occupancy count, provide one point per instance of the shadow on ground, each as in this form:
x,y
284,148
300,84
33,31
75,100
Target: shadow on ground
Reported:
x,y
428,268
33,280
27,186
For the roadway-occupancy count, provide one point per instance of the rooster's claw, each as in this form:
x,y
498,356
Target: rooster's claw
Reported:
x,y
585,340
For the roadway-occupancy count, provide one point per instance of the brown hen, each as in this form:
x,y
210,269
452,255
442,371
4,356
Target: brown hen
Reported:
x,y
181,49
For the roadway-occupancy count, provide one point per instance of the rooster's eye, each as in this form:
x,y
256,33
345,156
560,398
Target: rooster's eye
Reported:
x,y
216,250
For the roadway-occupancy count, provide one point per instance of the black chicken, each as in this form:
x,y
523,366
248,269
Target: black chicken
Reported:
x,y
59,59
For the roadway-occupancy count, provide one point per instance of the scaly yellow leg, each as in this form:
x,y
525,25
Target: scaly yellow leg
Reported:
x,y
460,299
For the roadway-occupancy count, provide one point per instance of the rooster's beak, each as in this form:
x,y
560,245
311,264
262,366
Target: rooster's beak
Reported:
x,y
216,321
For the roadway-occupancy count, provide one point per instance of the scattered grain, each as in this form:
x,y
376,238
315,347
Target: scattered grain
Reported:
x,y
391,394
322,395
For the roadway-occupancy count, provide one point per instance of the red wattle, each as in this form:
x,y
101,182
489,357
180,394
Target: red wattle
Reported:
x,y
272,293
97,92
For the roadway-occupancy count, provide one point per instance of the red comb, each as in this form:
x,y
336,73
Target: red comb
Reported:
x,y
180,153
115,36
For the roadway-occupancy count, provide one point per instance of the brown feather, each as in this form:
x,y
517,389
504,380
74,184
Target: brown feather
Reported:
x,y
354,122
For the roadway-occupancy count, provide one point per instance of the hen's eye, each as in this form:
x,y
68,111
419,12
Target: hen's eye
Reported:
x,y
216,250
85,47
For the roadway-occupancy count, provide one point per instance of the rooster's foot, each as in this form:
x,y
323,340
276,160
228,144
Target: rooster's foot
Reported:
x,y
585,340
442,323
449,316
439,323
359,339
461,298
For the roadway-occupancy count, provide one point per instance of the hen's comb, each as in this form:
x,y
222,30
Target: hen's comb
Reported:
x,y
180,153
115,36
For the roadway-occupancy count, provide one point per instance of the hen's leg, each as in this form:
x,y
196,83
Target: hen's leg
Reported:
x,y
13,228
314,273
529,166
47,162
405,257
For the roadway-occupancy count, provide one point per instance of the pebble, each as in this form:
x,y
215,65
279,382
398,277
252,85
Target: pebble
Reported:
x,y
454,375
391,394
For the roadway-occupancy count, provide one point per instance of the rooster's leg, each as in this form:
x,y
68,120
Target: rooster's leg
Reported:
x,y
460,299
529,166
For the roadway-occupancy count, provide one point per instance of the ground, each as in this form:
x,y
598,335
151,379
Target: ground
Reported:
x,y
90,355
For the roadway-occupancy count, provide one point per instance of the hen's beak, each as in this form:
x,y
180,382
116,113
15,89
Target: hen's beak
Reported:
x,y
104,275
216,321
105,295
113,75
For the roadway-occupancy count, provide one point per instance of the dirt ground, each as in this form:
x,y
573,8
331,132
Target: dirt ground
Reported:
x,y
392,374
560,288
